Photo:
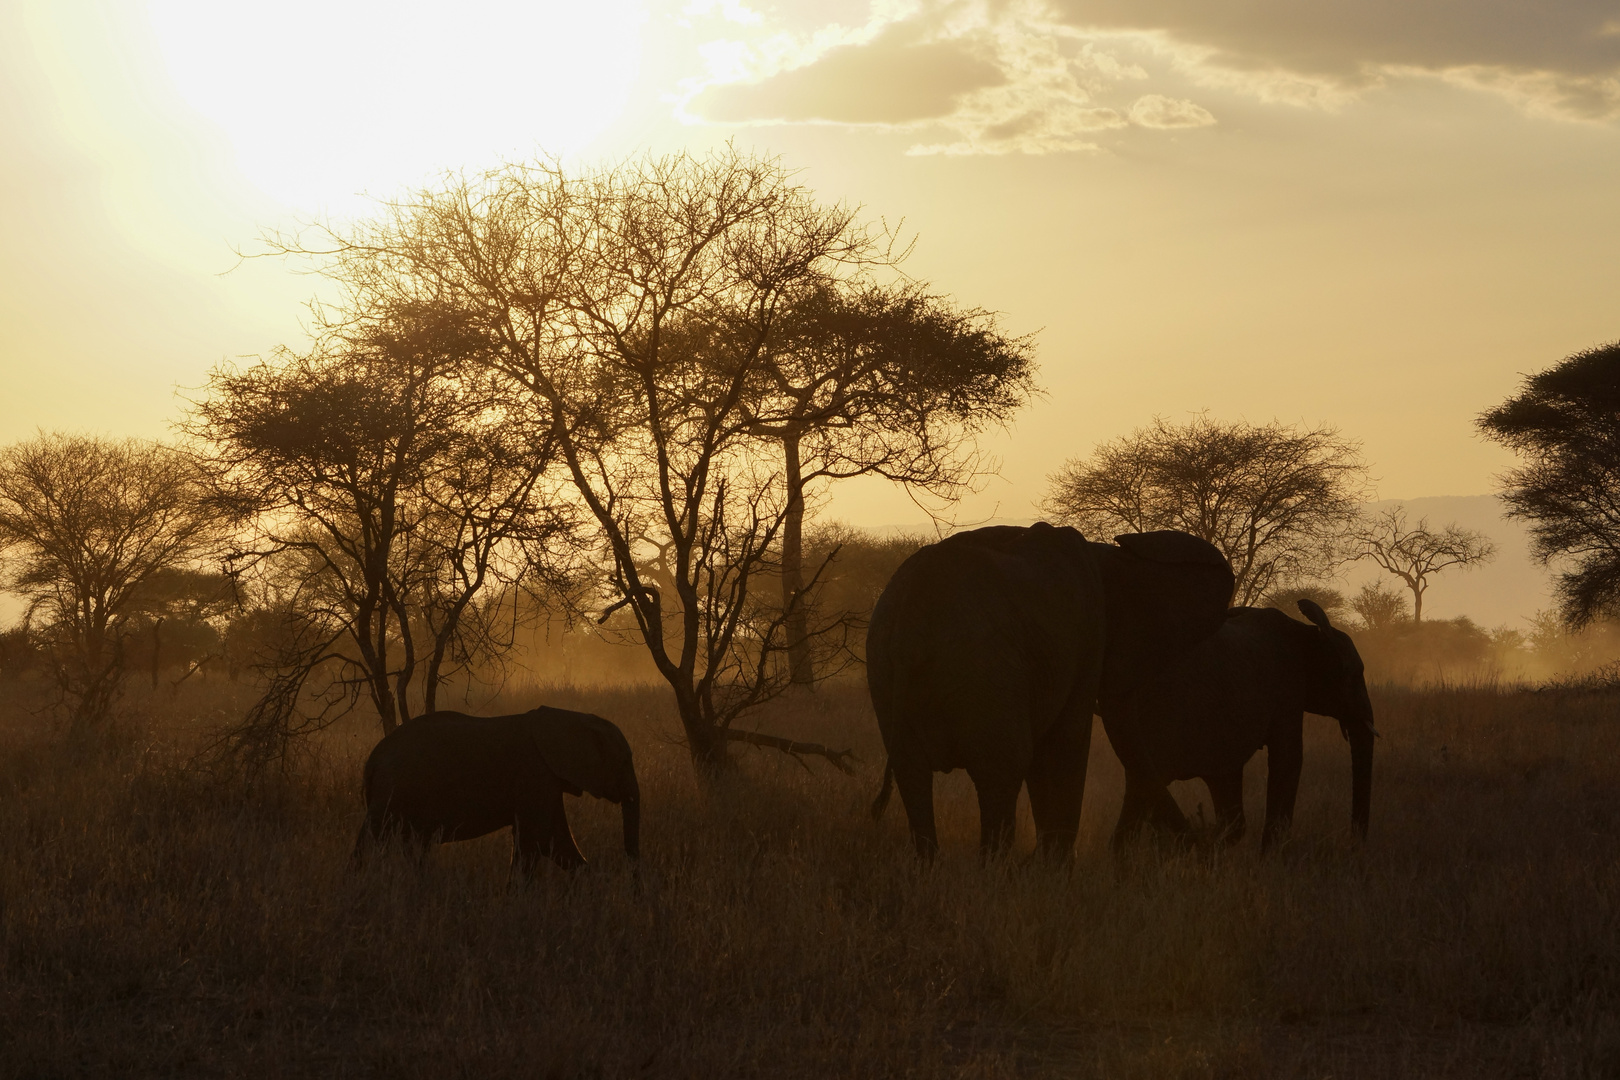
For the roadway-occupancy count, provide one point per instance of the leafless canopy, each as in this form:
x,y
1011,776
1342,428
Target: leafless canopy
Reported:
x,y
1273,498
1415,553
87,525
635,307
389,502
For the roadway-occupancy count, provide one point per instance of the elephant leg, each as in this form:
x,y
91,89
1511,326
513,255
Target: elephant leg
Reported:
x,y
1132,815
542,830
1285,754
998,812
1226,792
1164,813
916,784
1147,802
1057,784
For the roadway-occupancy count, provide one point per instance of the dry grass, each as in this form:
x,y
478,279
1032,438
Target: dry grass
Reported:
x,y
158,921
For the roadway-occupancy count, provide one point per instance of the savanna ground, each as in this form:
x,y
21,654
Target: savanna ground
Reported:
x,y
161,919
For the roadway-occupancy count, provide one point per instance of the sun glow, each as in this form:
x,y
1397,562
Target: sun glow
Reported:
x,y
322,100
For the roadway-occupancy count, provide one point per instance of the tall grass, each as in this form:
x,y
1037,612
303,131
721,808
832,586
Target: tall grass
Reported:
x,y
162,920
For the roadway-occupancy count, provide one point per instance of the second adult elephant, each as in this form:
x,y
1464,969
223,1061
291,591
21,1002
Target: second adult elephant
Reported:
x,y
988,652
1247,686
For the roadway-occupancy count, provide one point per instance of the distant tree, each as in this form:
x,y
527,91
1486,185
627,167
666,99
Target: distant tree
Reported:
x,y
1286,597
1416,553
861,379
182,613
392,501
1565,425
1274,499
88,526
1379,606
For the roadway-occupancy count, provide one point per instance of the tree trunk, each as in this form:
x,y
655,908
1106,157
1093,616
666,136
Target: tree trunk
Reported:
x,y
801,666
157,649
377,669
706,742
1417,604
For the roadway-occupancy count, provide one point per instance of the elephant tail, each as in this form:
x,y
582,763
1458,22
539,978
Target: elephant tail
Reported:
x,y
881,803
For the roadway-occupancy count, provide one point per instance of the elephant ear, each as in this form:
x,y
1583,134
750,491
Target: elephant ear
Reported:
x,y
1173,546
584,751
1313,611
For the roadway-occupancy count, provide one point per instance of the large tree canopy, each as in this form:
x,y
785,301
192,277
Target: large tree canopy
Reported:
x,y
1565,425
1274,499
698,337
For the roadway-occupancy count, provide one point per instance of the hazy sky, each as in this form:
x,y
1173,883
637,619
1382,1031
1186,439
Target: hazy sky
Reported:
x,y
1370,213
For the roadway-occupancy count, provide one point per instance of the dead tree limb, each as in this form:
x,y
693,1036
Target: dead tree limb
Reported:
x,y
840,758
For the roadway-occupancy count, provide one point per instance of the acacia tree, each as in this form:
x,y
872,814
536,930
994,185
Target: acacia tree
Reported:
x,y
1379,606
1416,553
1565,424
88,526
388,495
863,379
1274,499
635,306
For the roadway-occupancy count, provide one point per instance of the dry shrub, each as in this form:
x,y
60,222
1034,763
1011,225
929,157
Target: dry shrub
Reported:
x,y
160,921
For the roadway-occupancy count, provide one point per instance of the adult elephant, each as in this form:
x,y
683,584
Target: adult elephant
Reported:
x,y
990,651
1247,686
447,776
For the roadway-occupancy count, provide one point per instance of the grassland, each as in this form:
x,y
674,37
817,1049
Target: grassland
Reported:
x,y
160,919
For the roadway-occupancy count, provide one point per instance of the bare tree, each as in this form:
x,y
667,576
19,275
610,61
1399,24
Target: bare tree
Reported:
x,y
890,381
87,525
389,496
1273,498
635,305
1416,553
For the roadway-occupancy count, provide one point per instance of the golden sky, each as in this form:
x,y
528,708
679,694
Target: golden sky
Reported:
x,y
1370,213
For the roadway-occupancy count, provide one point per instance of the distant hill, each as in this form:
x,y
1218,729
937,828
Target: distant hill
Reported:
x,y
1509,590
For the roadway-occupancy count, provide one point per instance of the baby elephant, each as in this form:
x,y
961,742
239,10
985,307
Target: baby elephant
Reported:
x,y
1246,686
447,776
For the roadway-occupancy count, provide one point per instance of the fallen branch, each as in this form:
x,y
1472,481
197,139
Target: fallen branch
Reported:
x,y
196,666
839,758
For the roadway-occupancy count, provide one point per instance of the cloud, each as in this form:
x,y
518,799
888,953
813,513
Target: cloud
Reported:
x,y
992,78
894,79
1044,76
1158,111
1561,56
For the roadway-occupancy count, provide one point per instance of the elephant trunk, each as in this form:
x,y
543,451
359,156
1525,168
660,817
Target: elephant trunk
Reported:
x,y
1361,735
630,806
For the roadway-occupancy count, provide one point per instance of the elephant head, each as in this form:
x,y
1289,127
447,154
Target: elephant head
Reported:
x,y
1337,687
1164,591
590,755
